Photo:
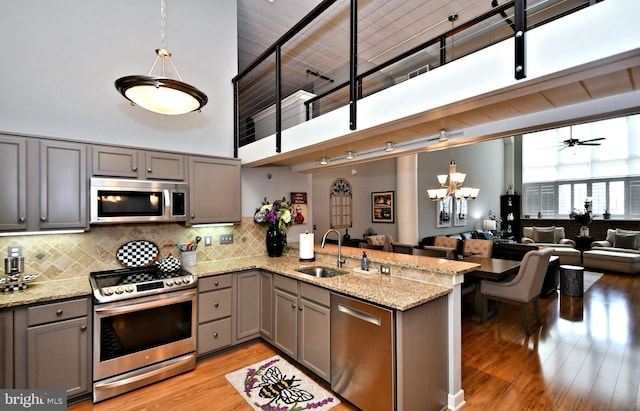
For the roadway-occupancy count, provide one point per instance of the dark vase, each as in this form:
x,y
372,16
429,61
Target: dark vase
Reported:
x,y
275,241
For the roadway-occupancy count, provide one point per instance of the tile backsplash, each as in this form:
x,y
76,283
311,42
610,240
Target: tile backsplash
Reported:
x,y
59,256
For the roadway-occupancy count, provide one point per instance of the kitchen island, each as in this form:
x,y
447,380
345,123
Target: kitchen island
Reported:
x,y
413,282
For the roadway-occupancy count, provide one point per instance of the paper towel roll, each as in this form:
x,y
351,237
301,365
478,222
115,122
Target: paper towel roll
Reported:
x,y
305,246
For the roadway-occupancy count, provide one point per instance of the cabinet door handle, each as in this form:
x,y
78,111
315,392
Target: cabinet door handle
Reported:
x,y
43,219
83,328
135,169
293,306
216,304
148,170
300,308
59,313
21,220
193,216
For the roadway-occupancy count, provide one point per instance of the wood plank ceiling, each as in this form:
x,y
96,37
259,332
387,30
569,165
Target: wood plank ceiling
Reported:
x,y
262,22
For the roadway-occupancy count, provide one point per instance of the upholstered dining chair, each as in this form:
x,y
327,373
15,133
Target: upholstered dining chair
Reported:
x,y
524,288
473,246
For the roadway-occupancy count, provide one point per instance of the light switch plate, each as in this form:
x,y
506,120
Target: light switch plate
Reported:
x,y
385,269
207,240
226,238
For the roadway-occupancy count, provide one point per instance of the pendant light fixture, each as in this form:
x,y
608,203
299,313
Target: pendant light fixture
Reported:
x,y
453,187
161,94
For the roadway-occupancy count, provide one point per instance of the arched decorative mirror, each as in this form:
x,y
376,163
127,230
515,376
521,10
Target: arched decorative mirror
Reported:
x,y
341,205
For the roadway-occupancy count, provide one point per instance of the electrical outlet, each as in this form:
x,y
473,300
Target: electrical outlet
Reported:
x,y
385,269
226,238
14,251
207,240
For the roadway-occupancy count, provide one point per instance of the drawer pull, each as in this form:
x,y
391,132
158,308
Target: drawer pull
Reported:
x,y
216,283
59,313
216,304
215,335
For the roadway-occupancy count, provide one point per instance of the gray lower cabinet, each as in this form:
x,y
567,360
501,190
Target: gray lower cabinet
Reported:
x,y
52,345
247,314
301,326
215,299
266,305
6,349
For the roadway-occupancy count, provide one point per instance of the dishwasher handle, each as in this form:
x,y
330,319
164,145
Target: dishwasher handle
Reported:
x,y
361,315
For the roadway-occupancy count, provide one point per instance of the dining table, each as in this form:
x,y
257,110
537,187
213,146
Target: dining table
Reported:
x,y
494,269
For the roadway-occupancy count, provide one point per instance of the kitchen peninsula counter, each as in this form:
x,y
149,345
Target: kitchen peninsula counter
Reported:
x,y
413,281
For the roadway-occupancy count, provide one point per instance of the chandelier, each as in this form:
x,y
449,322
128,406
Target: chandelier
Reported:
x,y
454,187
159,93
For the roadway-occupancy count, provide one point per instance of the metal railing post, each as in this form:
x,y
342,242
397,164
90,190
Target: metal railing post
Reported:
x,y
353,66
521,26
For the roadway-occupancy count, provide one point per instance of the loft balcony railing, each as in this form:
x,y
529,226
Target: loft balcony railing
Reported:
x,y
345,50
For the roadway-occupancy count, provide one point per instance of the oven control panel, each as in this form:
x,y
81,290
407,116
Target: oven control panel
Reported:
x,y
123,291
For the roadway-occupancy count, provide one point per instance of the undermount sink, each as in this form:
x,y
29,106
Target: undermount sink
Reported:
x,y
318,271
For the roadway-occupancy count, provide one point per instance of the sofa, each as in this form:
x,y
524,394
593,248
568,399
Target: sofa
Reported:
x,y
553,237
619,252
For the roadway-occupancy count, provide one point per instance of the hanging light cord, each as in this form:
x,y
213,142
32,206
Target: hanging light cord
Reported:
x,y
162,52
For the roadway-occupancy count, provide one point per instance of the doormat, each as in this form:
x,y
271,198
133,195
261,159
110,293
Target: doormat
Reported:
x,y
274,384
590,278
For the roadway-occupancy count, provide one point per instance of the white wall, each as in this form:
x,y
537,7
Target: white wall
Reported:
x,y
369,177
61,58
484,165
275,183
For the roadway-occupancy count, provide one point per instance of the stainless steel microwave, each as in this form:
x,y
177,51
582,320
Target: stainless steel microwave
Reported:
x,y
137,201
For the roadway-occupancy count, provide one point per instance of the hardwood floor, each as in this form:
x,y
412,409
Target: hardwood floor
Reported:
x,y
586,356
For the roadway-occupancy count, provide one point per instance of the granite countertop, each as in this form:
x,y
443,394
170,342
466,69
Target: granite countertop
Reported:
x,y
425,278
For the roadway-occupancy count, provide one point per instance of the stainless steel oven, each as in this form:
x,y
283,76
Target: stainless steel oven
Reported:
x,y
144,328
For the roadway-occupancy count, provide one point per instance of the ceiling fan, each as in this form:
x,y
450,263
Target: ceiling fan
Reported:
x,y
576,142
572,142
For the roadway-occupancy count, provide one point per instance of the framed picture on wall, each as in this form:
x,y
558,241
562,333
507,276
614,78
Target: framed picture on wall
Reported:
x,y
444,211
382,207
460,218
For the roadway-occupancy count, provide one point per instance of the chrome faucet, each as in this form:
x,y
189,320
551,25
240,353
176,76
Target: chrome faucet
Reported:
x,y
324,237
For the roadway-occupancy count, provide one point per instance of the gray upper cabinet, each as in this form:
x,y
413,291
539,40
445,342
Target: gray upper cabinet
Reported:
x,y
44,184
214,190
134,163
13,183
63,185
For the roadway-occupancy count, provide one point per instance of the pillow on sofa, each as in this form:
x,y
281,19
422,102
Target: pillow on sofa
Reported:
x,y
548,237
630,232
629,241
547,233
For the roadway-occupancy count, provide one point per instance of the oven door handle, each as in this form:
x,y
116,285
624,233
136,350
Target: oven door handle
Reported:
x,y
122,309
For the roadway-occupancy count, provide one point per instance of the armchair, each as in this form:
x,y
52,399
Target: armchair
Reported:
x,y
524,288
542,236
554,238
384,240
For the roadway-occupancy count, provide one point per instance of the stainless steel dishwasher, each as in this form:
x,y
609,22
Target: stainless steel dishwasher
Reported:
x,y
362,347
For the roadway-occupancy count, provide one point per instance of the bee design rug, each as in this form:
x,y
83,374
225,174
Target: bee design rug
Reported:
x,y
274,384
